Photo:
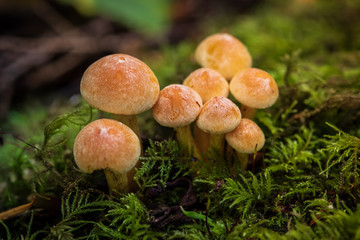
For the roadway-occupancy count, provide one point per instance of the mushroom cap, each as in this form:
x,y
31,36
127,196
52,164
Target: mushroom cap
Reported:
x,y
246,137
254,88
120,84
177,106
223,53
219,115
106,143
207,83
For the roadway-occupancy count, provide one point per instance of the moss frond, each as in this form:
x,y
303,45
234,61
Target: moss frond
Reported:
x,y
342,148
79,118
162,162
249,192
295,153
127,219
338,225
74,209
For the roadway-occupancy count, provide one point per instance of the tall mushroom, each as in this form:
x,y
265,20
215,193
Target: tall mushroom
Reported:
x,y
108,145
245,139
207,83
122,85
223,53
218,116
254,89
177,107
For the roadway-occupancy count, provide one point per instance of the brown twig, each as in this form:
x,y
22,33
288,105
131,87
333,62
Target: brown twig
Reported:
x,y
336,101
289,224
55,69
17,210
55,20
56,51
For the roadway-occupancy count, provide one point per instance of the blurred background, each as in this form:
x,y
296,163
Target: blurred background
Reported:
x,y
46,45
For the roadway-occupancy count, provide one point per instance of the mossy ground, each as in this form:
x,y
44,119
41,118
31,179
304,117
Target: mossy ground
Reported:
x,y
303,185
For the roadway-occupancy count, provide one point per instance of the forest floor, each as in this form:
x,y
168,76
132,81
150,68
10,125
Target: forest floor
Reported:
x,y
304,183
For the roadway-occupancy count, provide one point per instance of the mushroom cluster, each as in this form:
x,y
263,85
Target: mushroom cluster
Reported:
x,y
224,57
199,110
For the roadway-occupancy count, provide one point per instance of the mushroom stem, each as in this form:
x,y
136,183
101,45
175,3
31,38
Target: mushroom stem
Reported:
x,y
186,141
118,182
248,112
130,121
133,187
202,139
243,158
217,142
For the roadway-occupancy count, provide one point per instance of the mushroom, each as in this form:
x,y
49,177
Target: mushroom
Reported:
x,y
218,116
122,85
177,107
246,138
109,145
223,53
207,83
254,89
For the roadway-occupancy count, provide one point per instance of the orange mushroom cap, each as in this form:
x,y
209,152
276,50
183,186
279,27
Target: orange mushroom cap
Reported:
x,y
106,143
254,88
219,115
246,137
207,83
177,106
120,84
223,53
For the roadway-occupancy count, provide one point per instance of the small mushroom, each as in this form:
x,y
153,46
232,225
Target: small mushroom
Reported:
x,y
223,53
177,107
109,145
207,83
122,85
246,138
218,116
254,89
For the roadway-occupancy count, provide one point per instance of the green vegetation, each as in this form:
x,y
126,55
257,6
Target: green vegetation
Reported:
x,y
303,185
147,17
